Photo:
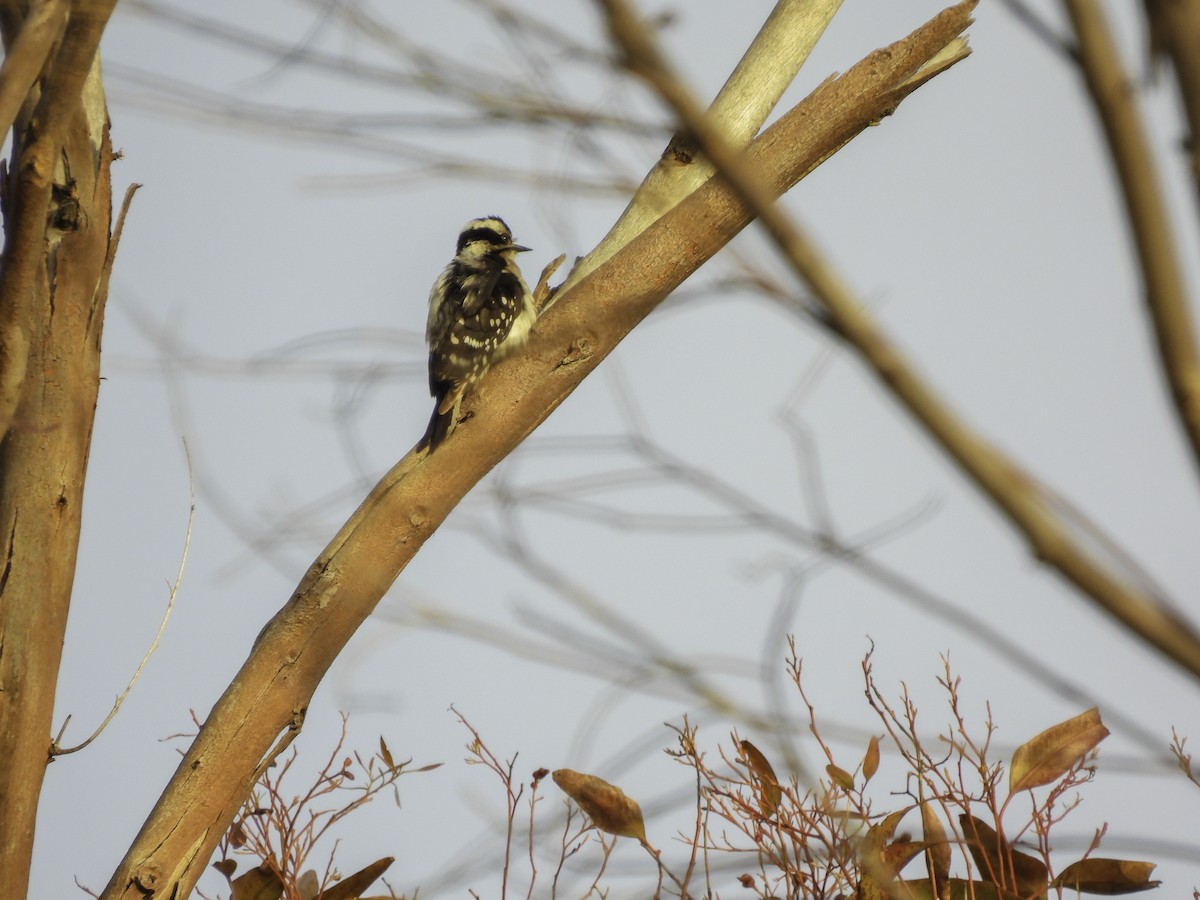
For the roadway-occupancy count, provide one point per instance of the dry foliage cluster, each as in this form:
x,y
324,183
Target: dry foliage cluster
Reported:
x,y
984,825
280,831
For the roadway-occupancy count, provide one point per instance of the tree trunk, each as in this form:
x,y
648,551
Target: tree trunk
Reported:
x,y
57,211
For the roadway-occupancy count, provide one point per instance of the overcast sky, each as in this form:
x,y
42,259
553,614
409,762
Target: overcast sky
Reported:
x,y
268,306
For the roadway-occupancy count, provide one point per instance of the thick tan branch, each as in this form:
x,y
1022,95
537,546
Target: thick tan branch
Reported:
x,y
26,57
37,150
749,95
1166,297
57,215
1013,491
343,586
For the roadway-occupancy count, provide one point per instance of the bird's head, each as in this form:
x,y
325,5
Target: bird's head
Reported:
x,y
486,236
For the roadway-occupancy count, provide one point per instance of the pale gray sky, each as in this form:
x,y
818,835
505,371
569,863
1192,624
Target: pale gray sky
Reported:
x,y
981,222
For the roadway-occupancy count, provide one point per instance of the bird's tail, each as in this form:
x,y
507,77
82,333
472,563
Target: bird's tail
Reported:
x,y
439,426
445,414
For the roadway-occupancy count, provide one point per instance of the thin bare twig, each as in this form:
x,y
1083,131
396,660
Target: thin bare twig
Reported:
x,y
738,511
55,748
1041,30
100,300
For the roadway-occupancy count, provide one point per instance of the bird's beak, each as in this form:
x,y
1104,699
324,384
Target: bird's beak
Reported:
x,y
517,248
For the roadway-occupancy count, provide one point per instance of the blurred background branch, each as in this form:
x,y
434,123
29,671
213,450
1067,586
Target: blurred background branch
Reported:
x,y
728,482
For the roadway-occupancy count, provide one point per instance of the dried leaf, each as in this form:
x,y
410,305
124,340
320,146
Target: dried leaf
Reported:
x,y
841,777
898,854
226,867
1051,754
885,829
872,888
260,883
994,859
386,755
352,887
1107,876
937,854
605,804
308,884
768,785
870,763
954,889
882,858
879,877
236,835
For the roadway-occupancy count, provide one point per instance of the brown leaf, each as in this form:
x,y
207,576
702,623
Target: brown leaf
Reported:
x,y
308,884
937,854
841,777
1051,754
882,857
871,888
879,834
605,804
259,883
954,889
898,854
236,835
768,785
226,867
994,858
1107,876
879,880
386,755
352,887
870,763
